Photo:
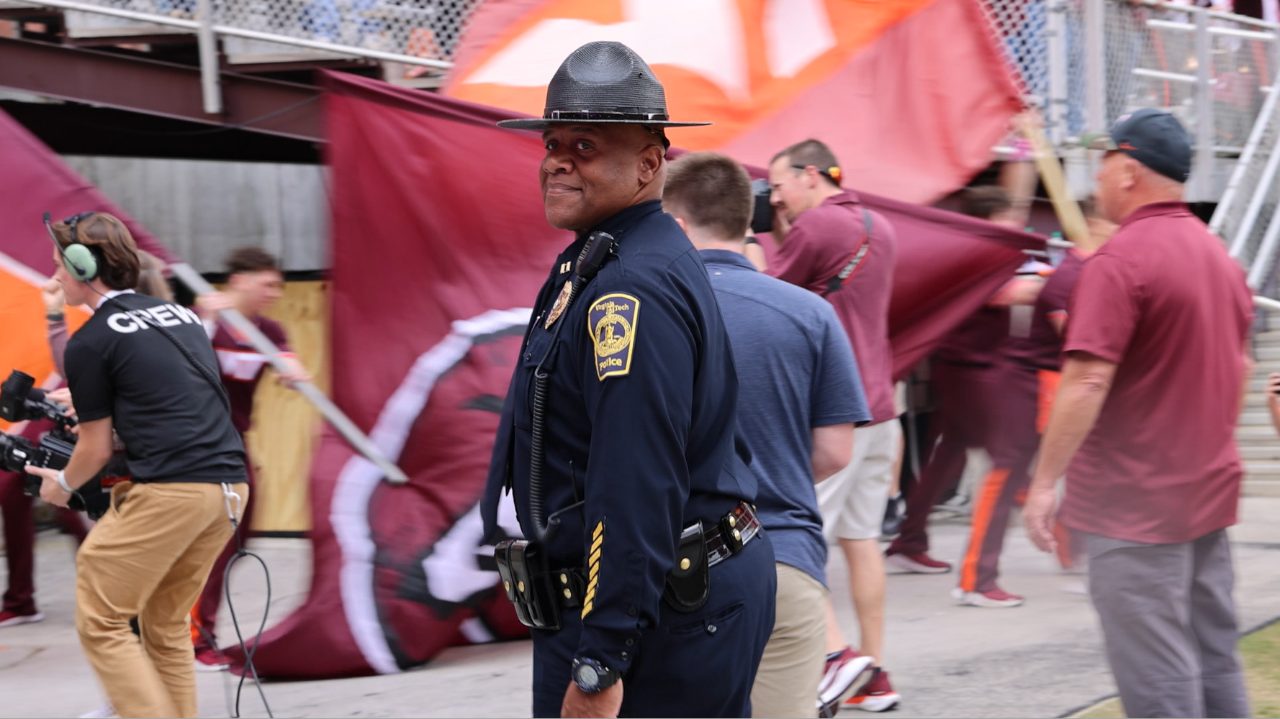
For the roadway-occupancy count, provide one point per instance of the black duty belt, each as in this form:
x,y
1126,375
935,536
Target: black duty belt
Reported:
x,y
538,594
732,533
722,540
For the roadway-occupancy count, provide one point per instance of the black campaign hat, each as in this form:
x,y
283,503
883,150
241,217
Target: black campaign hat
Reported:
x,y
603,82
1153,137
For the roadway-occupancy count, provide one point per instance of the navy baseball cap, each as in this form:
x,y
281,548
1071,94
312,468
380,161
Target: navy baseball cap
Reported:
x,y
1153,137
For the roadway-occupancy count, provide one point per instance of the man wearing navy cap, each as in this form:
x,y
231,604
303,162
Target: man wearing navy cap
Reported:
x,y
646,578
1143,428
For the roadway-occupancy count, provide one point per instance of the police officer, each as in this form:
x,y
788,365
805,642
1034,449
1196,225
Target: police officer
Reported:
x,y
644,565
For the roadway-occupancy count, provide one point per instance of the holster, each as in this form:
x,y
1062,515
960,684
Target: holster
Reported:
x,y
527,580
689,581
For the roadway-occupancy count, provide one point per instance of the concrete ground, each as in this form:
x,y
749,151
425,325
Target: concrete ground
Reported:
x,y
1043,659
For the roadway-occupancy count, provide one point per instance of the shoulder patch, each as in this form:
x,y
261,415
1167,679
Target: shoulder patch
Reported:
x,y
612,324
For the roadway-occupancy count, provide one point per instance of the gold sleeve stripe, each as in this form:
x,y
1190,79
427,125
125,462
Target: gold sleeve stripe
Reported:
x,y
593,568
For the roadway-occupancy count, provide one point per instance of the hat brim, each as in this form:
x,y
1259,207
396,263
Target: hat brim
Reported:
x,y
1099,141
538,123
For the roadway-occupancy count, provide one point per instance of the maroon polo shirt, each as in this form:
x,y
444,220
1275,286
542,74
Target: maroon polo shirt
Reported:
x,y
821,243
1042,347
976,342
1164,302
242,366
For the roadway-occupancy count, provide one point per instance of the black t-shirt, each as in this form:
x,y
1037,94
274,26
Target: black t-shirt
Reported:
x,y
174,423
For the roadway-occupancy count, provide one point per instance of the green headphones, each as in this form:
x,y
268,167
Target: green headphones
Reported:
x,y
80,261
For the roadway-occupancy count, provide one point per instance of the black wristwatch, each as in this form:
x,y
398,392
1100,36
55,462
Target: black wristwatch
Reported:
x,y
591,676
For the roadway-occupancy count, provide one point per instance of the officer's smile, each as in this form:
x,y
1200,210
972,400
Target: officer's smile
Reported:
x,y
560,188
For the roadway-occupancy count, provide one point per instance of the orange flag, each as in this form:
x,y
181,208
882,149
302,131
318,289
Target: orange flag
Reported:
x,y
911,94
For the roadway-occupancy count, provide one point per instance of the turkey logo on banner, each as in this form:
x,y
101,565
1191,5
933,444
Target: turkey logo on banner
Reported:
x,y
439,246
910,94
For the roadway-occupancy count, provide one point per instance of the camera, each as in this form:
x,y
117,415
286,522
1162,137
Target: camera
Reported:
x,y
761,210
20,401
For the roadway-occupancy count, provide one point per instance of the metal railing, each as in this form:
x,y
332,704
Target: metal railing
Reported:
x,y
1087,62
416,37
1251,191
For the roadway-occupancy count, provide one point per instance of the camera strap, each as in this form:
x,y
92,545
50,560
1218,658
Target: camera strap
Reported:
x,y
847,271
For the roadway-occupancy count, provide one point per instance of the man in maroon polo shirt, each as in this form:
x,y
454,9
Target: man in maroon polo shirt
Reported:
x,y
965,383
254,283
1145,416
835,246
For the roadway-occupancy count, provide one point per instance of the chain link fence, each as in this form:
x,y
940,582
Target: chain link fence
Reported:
x,y
1085,63
417,37
1150,54
428,29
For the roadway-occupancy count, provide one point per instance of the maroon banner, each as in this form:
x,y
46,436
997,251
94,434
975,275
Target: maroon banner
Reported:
x,y
34,180
439,245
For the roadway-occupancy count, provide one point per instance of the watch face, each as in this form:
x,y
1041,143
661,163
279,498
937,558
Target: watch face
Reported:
x,y
588,676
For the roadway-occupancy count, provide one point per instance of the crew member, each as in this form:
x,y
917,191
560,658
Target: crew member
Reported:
x,y
143,367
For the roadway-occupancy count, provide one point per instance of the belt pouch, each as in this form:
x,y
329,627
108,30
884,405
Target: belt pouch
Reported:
x,y
527,581
689,582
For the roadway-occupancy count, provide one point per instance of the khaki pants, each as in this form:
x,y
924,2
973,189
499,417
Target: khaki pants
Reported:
x,y
149,557
787,681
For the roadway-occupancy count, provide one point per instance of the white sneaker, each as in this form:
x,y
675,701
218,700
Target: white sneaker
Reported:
x,y
846,671
106,711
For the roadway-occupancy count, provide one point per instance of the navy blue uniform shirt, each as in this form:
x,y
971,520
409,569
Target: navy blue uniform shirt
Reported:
x,y
640,424
797,372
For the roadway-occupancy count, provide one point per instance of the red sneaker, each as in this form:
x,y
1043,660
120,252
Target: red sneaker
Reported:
x,y
995,598
877,695
209,659
918,563
12,619
844,671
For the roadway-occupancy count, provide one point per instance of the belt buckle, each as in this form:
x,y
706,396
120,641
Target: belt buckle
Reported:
x,y
731,528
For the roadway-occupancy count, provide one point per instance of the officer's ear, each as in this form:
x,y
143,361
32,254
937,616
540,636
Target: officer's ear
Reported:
x,y
651,160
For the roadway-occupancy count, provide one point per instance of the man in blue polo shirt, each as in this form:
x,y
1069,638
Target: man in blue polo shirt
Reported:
x,y
799,398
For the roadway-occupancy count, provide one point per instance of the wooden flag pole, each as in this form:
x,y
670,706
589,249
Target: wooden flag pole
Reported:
x,y
1074,226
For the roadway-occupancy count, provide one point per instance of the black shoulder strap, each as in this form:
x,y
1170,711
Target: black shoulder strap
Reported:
x,y
201,368
837,281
